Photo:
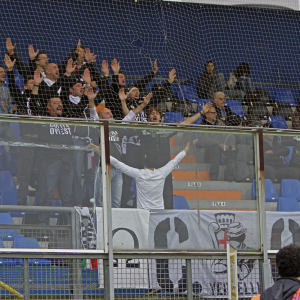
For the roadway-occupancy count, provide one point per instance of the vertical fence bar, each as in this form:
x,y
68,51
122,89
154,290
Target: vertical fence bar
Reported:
x,y
189,279
76,265
107,213
260,191
26,279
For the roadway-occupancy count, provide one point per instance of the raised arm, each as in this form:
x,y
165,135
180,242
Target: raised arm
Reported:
x,y
148,78
132,172
169,167
196,116
146,101
123,97
22,67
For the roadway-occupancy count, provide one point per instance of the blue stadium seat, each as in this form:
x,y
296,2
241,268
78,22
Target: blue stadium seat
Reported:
x,y
290,188
7,234
285,96
32,243
25,242
288,157
288,204
271,194
236,107
187,92
179,202
173,117
8,189
277,122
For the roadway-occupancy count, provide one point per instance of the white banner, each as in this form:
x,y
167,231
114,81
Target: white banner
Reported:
x,y
194,230
130,231
291,4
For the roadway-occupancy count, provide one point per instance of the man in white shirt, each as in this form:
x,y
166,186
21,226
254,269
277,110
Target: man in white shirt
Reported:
x,y
150,182
115,139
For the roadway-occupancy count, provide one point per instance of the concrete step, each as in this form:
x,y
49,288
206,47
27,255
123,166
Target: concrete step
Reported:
x,y
229,204
190,175
193,166
244,189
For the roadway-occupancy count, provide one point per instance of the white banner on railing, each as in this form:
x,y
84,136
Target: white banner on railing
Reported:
x,y
193,230
291,4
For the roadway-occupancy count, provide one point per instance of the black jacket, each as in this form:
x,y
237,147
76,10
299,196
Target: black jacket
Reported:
x,y
231,118
282,289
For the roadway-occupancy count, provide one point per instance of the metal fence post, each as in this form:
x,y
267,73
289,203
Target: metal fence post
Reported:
x,y
26,279
189,279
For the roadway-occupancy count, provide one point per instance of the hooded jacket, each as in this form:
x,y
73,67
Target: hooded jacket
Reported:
x,y
282,289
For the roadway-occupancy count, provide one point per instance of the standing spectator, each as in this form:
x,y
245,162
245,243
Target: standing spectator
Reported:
x,y
210,81
21,99
119,81
287,287
155,145
150,181
6,104
37,60
115,138
25,156
55,165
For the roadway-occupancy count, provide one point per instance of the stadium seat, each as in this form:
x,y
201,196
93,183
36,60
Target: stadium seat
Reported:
x,y
288,204
173,117
187,92
179,202
271,194
282,109
32,243
288,157
7,234
25,242
290,188
286,96
277,122
236,107
8,189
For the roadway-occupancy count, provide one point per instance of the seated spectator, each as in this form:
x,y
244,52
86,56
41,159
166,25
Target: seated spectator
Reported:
x,y
224,113
240,82
274,152
219,147
210,81
209,114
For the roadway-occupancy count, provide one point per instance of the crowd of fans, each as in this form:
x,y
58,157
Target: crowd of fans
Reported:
x,y
77,89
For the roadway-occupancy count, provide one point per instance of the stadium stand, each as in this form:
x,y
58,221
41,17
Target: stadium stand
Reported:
x,y
86,59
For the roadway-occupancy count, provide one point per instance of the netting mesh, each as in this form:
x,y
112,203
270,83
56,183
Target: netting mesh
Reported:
x,y
248,53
